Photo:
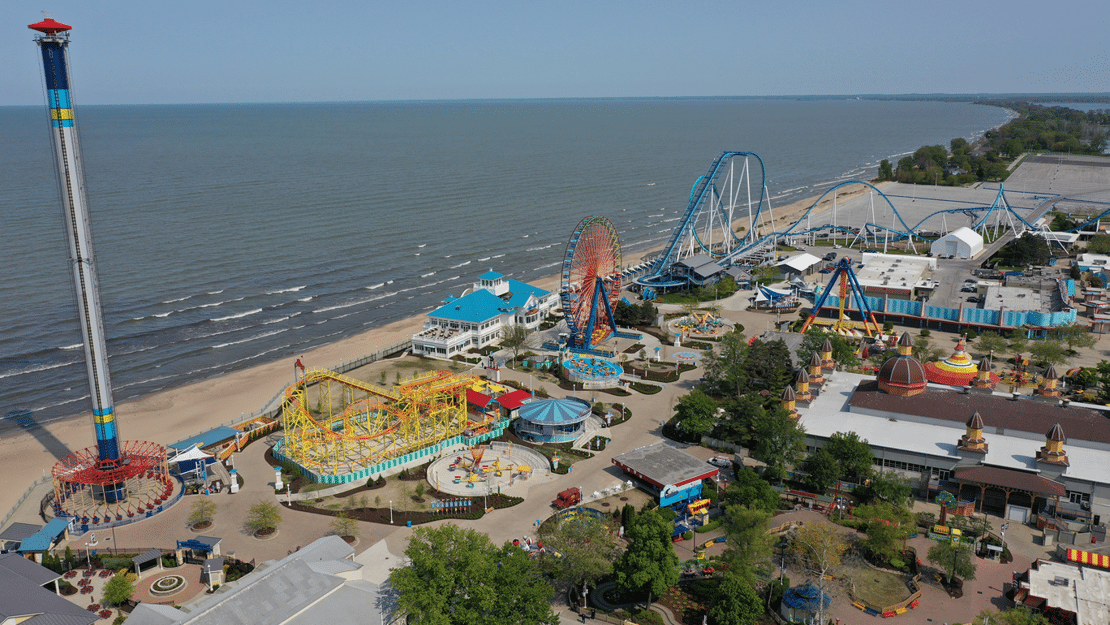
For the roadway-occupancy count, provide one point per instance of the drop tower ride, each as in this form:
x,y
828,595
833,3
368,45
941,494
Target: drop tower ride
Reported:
x,y
113,481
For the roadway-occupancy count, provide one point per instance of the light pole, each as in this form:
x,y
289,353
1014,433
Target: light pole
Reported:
x,y
88,547
391,512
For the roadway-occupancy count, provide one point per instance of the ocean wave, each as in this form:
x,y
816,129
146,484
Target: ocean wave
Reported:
x,y
422,245
376,286
555,264
539,248
164,315
365,300
74,346
38,368
171,301
659,215
425,275
497,256
136,351
252,338
306,299
290,290
482,260
237,316
55,405
216,292
459,265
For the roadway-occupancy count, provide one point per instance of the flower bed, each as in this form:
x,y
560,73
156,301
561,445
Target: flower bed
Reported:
x,y
167,585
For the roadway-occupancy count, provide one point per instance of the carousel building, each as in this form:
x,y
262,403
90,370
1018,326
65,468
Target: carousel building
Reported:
x,y
1010,455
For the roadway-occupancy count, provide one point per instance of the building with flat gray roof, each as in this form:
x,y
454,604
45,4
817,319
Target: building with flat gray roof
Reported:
x,y
321,583
24,600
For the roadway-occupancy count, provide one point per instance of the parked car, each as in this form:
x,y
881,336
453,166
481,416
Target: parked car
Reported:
x,y
720,461
975,299
830,256
825,270
969,288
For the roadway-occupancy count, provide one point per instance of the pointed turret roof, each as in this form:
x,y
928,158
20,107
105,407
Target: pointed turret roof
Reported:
x,y
975,422
802,377
788,394
826,346
905,341
1051,374
1056,434
815,361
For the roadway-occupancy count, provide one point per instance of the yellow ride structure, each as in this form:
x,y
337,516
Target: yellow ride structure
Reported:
x,y
356,424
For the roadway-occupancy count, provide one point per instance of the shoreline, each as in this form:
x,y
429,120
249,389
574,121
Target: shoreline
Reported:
x,y
173,414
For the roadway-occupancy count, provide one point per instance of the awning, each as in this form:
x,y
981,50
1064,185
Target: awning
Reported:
x,y
1009,478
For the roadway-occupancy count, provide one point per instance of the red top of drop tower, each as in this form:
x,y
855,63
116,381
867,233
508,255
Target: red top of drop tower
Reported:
x,y
49,26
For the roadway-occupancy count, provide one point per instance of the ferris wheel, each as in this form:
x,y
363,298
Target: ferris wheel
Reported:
x,y
591,281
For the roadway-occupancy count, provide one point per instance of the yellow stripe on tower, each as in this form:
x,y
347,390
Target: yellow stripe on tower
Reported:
x,y
104,418
61,113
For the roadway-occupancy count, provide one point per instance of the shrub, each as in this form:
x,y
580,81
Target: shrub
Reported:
x,y
688,535
925,333
708,527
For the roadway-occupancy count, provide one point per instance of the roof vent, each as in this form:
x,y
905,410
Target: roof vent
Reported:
x,y
1015,396
1064,403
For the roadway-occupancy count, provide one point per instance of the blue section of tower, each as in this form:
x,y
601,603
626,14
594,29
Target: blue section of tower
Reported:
x,y
56,70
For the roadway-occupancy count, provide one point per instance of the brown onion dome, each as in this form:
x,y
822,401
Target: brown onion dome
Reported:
x,y
902,375
975,422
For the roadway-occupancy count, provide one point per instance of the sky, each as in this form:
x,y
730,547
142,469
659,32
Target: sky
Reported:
x,y
224,51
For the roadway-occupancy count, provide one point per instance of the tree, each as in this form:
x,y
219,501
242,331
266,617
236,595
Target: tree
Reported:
x,y
843,353
457,576
1099,244
649,564
735,603
852,454
697,412
780,441
1020,615
515,338
822,471
767,365
819,548
952,558
344,525
1074,335
990,342
263,516
202,512
749,546
886,529
1049,352
725,367
751,491
886,171
588,547
888,487
119,589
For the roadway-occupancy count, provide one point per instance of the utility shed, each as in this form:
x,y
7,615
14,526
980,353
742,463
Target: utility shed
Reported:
x,y
961,243
670,474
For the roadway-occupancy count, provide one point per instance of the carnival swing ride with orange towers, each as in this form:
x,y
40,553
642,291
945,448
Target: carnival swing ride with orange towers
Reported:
x,y
357,429
842,324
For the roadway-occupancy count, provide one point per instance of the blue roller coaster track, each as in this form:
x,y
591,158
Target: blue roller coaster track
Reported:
x,y
705,199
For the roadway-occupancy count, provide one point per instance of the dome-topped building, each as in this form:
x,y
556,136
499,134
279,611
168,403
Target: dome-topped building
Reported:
x,y
903,374
956,370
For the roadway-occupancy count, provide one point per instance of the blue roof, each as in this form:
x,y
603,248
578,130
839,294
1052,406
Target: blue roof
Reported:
x,y
211,437
805,598
42,539
490,275
566,411
521,291
476,307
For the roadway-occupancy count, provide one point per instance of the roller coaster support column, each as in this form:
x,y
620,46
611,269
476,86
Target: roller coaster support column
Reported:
x,y
54,42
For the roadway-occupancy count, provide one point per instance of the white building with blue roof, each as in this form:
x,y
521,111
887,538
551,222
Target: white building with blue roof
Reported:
x,y
476,318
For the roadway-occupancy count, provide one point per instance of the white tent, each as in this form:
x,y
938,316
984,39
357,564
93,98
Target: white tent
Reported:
x,y
961,243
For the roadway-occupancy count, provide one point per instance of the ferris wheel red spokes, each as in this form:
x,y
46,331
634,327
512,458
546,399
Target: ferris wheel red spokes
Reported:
x,y
591,281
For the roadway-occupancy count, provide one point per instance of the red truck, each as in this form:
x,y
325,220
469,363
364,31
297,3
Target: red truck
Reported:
x,y
567,498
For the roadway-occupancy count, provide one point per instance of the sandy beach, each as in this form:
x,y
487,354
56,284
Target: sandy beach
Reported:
x,y
174,414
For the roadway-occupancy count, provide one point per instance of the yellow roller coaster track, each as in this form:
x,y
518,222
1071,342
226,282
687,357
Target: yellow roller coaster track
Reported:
x,y
366,424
